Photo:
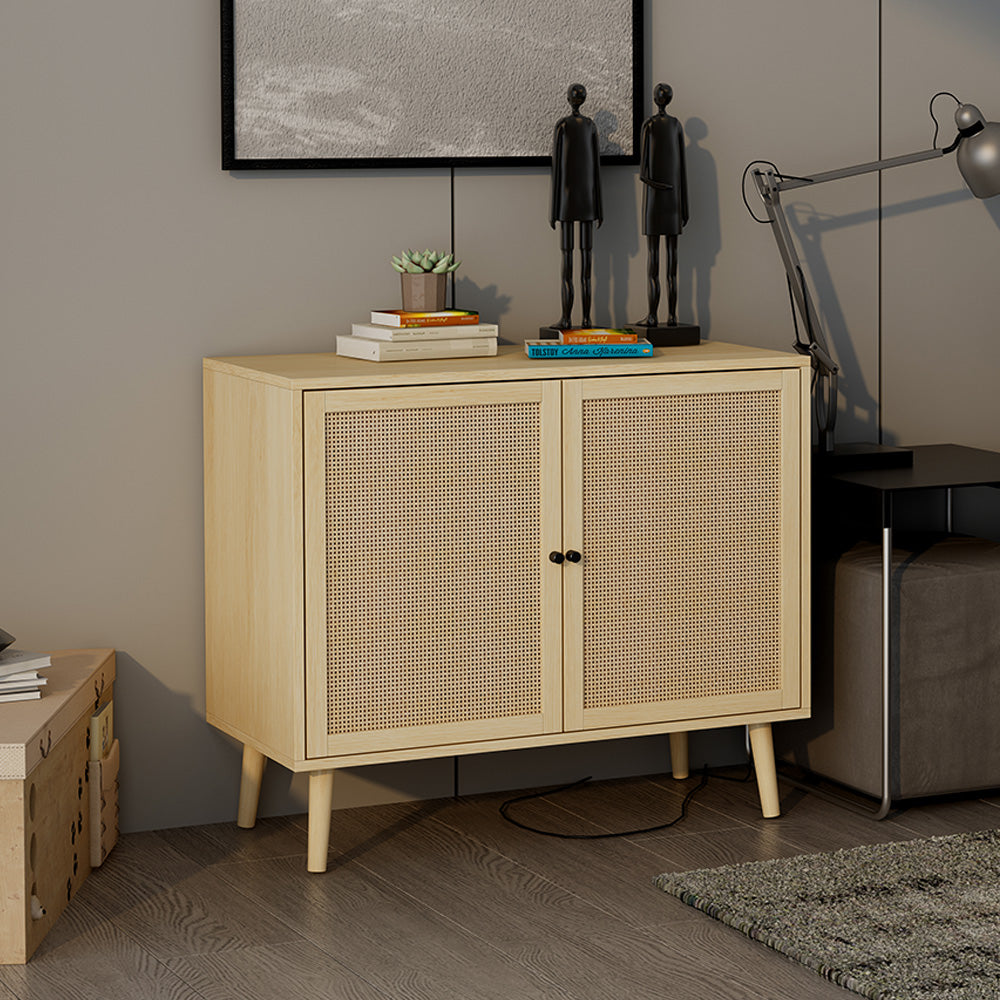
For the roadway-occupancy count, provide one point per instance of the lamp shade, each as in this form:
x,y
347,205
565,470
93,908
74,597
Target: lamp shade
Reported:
x,y
978,152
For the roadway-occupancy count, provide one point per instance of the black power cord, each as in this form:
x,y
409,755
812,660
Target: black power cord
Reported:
x,y
505,808
746,201
937,126
782,177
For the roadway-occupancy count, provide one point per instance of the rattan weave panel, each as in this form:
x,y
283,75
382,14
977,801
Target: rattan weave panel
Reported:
x,y
683,490
433,571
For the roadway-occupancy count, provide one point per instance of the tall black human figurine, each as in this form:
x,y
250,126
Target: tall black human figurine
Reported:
x,y
576,197
664,200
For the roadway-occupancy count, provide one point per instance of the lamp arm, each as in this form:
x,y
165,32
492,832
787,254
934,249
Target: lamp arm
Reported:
x,y
790,183
769,186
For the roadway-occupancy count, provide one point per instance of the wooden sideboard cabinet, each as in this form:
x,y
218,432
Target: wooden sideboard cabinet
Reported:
x,y
431,558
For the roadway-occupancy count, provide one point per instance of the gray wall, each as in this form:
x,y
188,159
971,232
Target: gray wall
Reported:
x,y
128,255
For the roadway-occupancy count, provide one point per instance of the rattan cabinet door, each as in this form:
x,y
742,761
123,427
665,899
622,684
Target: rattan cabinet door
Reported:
x,y
432,609
682,493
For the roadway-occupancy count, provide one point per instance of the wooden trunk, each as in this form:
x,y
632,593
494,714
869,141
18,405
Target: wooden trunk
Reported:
x,y
45,811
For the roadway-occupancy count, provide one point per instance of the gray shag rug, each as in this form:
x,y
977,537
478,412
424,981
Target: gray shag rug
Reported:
x,y
918,920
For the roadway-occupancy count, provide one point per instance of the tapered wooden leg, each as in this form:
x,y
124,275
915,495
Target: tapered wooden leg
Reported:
x,y
250,779
762,747
320,807
679,755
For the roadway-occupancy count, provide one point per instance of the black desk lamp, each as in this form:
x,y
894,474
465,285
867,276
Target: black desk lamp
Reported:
x,y
977,150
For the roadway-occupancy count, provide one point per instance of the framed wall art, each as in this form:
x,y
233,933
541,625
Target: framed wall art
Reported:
x,y
316,84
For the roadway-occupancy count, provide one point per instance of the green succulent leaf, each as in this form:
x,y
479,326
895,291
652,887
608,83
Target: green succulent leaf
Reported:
x,y
427,261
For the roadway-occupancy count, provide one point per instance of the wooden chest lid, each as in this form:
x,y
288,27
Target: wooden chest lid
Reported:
x,y
78,680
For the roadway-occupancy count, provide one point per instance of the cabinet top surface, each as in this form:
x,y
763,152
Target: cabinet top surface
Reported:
x,y
330,371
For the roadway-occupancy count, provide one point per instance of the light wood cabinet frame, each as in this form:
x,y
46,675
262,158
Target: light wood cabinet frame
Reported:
x,y
269,624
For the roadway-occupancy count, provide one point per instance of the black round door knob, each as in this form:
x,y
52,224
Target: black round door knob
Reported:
x,y
556,557
573,556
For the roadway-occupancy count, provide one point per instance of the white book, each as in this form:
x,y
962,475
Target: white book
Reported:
x,y
17,661
14,688
21,695
379,331
20,676
410,350
17,681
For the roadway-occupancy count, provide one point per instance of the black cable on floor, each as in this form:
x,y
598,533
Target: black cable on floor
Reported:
x,y
505,808
504,811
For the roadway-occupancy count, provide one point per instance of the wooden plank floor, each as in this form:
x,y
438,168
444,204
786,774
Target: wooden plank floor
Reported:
x,y
445,900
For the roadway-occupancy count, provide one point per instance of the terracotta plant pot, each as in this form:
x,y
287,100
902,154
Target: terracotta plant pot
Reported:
x,y
424,292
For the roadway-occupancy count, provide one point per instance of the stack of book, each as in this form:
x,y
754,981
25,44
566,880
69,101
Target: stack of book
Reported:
x,y
591,342
19,677
395,335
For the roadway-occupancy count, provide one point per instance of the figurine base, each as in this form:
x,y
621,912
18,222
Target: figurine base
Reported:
x,y
662,335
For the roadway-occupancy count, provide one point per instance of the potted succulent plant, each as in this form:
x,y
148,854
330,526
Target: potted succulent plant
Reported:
x,y
424,278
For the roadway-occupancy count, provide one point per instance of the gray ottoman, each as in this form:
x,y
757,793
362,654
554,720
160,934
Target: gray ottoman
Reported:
x,y
946,671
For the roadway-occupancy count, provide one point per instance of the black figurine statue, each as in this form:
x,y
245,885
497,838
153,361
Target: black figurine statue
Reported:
x,y
576,197
664,200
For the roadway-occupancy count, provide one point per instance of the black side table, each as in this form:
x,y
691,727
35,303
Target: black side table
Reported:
x,y
935,467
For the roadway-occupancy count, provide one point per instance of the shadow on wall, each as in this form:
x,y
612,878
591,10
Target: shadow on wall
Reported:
x,y
512,770
166,748
607,125
993,207
701,242
615,243
488,301
808,227
286,794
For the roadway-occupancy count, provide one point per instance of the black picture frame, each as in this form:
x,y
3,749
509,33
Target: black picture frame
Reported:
x,y
241,150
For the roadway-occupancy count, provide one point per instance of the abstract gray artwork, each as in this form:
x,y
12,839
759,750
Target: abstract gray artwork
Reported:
x,y
456,81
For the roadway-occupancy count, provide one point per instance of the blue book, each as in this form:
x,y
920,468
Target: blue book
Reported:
x,y
553,349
